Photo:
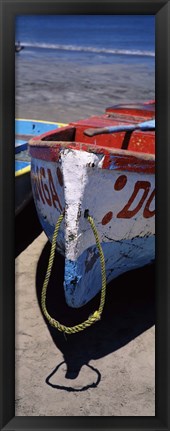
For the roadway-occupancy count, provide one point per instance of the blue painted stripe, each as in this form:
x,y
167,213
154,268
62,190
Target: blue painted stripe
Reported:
x,y
19,142
20,147
82,281
20,165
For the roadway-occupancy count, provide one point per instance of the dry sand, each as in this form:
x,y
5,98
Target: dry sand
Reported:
x,y
107,370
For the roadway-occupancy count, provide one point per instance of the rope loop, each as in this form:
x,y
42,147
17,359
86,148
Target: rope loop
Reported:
x,y
97,314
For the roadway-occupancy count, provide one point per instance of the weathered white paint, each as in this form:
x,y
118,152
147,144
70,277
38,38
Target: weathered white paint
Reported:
x,y
127,242
75,168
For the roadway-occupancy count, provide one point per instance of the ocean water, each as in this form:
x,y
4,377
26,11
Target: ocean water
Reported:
x,y
76,65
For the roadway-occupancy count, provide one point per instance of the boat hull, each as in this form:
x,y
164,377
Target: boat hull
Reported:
x,y
119,196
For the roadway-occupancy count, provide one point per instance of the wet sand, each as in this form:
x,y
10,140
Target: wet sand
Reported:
x,y
106,370
66,92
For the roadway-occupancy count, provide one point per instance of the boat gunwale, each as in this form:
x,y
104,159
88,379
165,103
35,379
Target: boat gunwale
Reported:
x,y
30,120
92,148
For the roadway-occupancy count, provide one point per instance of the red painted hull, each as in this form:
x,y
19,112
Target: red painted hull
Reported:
x,y
133,151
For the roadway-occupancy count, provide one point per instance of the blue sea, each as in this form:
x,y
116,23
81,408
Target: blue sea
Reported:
x,y
77,65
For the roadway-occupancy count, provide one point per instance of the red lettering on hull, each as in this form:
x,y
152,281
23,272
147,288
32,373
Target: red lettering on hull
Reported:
x,y
107,218
147,212
45,190
126,212
54,194
44,187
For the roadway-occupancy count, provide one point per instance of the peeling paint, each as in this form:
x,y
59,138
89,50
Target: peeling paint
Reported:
x,y
127,242
92,256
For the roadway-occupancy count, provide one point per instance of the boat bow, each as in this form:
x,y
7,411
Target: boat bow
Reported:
x,y
81,175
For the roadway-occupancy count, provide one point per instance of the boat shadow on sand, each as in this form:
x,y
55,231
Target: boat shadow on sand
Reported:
x,y
27,227
129,311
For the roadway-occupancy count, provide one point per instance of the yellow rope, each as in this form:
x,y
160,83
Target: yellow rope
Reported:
x,y
97,314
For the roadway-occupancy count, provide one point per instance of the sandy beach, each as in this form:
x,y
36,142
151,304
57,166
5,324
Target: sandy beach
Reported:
x,y
67,92
107,370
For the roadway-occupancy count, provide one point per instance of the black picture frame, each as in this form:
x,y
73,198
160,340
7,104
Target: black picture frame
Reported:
x,y
9,9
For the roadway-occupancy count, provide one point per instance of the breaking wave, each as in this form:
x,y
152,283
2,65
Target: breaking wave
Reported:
x,y
91,49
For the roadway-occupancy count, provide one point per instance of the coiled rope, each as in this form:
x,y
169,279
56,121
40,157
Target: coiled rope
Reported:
x,y
97,314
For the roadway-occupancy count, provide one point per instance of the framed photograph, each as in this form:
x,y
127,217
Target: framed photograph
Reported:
x,y
84,328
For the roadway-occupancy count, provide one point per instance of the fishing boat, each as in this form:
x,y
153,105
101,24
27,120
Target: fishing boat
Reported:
x,y
25,130
95,180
